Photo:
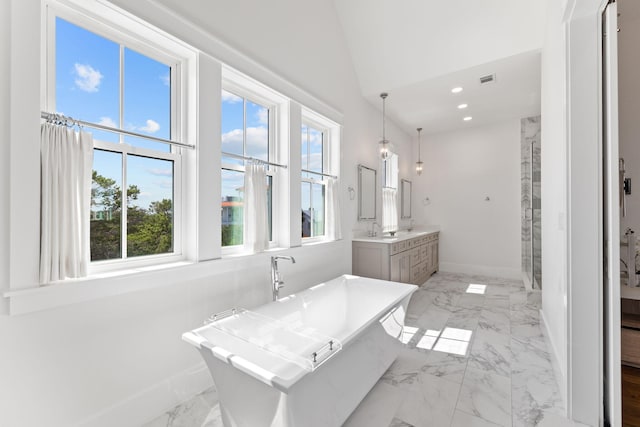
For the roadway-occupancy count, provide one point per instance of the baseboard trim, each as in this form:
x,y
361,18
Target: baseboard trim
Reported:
x,y
561,379
502,272
148,404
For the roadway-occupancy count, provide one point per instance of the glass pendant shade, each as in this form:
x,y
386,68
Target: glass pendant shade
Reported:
x,y
384,149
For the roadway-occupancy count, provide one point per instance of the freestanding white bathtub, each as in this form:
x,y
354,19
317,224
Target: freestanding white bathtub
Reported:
x,y
308,359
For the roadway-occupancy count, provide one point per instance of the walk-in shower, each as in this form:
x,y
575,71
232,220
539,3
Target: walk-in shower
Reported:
x,y
531,202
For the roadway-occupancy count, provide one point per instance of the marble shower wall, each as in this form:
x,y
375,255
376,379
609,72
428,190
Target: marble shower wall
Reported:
x,y
530,200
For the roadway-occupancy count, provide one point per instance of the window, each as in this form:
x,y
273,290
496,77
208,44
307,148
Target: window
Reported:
x,y
390,194
127,85
246,132
314,158
390,168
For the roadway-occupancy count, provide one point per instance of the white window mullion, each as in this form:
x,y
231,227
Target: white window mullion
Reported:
x,y
244,126
123,207
121,95
124,199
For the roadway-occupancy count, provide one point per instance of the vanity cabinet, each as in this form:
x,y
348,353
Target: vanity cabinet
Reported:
x,y
400,267
410,260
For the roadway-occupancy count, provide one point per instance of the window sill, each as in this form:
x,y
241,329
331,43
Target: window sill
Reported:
x,y
317,241
106,284
98,285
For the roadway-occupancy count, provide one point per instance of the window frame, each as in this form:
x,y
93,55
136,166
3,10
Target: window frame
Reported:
x,y
326,141
177,59
242,89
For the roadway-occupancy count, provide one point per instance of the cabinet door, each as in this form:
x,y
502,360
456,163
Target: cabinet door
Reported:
x,y
394,267
401,267
370,260
405,267
433,256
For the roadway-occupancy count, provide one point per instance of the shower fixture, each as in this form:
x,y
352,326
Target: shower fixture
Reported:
x,y
419,163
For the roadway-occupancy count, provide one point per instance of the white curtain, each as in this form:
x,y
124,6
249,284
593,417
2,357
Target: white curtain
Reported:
x,y
256,225
334,226
66,159
389,209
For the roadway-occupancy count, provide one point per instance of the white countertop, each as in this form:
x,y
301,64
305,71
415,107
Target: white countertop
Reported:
x,y
400,235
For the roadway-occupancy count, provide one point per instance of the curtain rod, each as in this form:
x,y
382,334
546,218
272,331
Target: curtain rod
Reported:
x,y
320,173
238,156
66,119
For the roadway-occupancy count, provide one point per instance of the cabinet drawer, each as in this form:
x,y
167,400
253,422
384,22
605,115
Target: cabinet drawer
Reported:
x,y
415,256
402,246
416,275
630,346
394,248
424,252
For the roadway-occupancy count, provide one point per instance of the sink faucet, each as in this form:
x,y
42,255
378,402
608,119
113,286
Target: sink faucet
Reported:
x,y
373,233
276,279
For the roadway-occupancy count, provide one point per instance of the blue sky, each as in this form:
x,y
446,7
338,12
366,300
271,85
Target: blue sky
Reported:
x,y
254,144
88,88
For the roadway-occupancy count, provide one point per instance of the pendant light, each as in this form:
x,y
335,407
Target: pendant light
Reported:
x,y
384,144
419,163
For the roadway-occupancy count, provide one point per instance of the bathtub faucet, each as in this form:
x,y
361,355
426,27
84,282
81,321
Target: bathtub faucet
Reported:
x,y
276,279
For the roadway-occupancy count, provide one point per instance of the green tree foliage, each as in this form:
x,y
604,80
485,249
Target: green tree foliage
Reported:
x,y
231,234
149,231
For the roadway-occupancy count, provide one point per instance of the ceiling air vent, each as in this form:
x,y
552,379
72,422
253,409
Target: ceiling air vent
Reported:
x,y
487,79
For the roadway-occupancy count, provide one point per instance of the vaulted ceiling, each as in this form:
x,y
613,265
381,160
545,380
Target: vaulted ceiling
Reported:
x,y
418,50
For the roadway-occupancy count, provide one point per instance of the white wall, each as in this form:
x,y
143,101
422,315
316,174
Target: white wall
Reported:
x,y
461,169
572,304
553,189
119,360
5,35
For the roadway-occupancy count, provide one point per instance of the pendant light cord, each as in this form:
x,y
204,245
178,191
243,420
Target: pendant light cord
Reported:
x,y
384,102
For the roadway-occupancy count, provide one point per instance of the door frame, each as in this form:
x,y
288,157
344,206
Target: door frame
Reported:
x,y
612,377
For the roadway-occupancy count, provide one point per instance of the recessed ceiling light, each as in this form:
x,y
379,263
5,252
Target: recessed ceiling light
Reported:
x,y
456,90
466,119
462,106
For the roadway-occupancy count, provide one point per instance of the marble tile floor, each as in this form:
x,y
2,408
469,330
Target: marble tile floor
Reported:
x,y
473,356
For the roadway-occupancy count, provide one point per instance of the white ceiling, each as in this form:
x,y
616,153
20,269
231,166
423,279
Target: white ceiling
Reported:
x,y
417,50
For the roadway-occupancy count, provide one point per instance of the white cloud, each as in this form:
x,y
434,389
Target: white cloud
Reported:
x,y
151,126
315,137
107,121
160,172
315,162
263,116
230,98
165,79
87,78
257,138
164,183
233,137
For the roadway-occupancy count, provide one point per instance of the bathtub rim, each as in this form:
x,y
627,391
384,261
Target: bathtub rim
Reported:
x,y
272,379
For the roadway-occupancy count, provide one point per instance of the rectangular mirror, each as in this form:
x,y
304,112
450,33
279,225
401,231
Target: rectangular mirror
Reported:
x,y
366,193
406,198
